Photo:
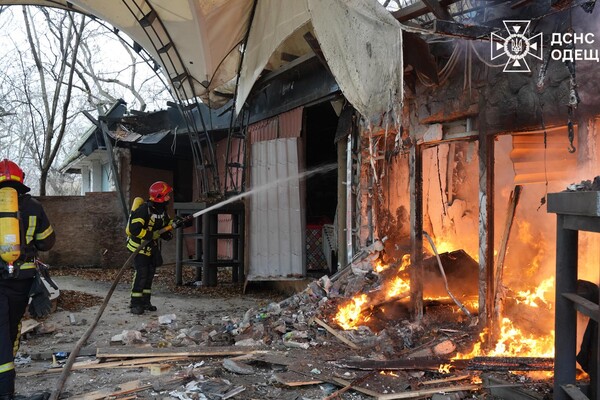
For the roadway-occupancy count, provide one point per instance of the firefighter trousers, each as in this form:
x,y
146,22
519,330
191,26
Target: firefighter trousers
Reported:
x,y
14,297
141,290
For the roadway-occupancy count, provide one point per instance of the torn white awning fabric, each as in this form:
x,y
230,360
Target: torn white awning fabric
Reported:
x,y
197,43
360,40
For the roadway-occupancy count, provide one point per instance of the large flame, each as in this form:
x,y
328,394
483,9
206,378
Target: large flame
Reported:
x,y
513,342
349,316
538,296
352,314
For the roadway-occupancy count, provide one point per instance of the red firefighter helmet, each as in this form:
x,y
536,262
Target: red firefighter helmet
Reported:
x,y
12,175
160,192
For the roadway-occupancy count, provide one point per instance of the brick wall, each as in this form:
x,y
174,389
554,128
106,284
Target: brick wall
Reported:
x,y
90,231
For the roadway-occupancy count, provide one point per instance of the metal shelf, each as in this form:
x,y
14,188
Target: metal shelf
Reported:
x,y
575,211
205,236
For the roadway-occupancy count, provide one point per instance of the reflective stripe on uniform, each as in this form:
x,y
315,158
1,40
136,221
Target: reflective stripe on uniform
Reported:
x,y
147,291
9,366
136,294
133,246
27,265
45,234
30,229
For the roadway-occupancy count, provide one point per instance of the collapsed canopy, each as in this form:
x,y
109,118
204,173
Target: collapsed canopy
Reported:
x,y
198,42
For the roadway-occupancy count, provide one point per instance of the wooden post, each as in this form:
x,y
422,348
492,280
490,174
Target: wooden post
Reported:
x,y
342,253
510,217
486,228
415,164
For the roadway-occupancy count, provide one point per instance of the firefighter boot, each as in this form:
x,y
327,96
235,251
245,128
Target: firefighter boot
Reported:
x,y
136,306
147,305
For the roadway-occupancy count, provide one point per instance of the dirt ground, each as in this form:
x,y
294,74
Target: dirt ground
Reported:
x,y
82,292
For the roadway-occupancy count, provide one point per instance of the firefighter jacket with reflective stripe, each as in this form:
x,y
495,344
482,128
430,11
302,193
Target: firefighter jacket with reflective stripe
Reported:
x,y
144,220
36,235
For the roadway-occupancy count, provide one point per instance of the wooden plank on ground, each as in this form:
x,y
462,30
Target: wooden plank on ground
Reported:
x,y
421,364
336,334
294,379
445,380
28,325
123,389
427,392
199,351
368,392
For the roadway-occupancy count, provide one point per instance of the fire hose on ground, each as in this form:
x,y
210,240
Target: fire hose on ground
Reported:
x,y
75,352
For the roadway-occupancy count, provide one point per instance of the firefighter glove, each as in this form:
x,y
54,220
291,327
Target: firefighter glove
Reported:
x,y
152,235
168,235
179,222
40,304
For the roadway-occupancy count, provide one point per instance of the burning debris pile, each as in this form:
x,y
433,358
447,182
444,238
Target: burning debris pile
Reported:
x,y
353,331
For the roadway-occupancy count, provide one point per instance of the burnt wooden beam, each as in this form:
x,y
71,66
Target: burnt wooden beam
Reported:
x,y
316,48
513,201
417,9
520,3
288,57
456,29
419,56
509,363
415,162
438,10
441,117
486,228
473,364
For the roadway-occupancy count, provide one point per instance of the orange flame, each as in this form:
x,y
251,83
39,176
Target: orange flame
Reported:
x,y
349,316
397,287
513,342
444,368
533,299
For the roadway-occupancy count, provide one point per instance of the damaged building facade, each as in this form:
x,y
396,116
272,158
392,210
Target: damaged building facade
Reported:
x,y
439,129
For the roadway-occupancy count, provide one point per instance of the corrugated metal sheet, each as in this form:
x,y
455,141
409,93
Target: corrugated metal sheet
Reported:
x,y
286,125
276,224
290,123
534,164
264,130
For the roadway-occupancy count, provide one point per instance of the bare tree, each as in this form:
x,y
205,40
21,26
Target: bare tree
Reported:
x,y
57,70
55,103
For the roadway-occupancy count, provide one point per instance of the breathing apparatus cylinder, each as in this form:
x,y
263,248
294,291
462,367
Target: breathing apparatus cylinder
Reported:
x,y
137,202
10,239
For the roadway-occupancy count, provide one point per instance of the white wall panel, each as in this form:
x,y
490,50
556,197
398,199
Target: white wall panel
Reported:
x,y
276,225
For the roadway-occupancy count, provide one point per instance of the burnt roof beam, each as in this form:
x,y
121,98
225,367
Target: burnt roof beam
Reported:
x,y
418,9
440,12
456,29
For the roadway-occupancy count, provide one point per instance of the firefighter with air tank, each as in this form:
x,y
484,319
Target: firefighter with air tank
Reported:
x,y
146,220
24,230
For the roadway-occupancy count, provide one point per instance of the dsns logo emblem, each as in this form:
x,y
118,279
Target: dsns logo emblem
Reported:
x,y
516,46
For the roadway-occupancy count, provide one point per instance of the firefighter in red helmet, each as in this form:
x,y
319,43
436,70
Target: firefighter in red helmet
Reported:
x,y
24,230
145,220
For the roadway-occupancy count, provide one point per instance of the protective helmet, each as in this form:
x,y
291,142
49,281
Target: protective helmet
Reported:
x,y
12,175
160,192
